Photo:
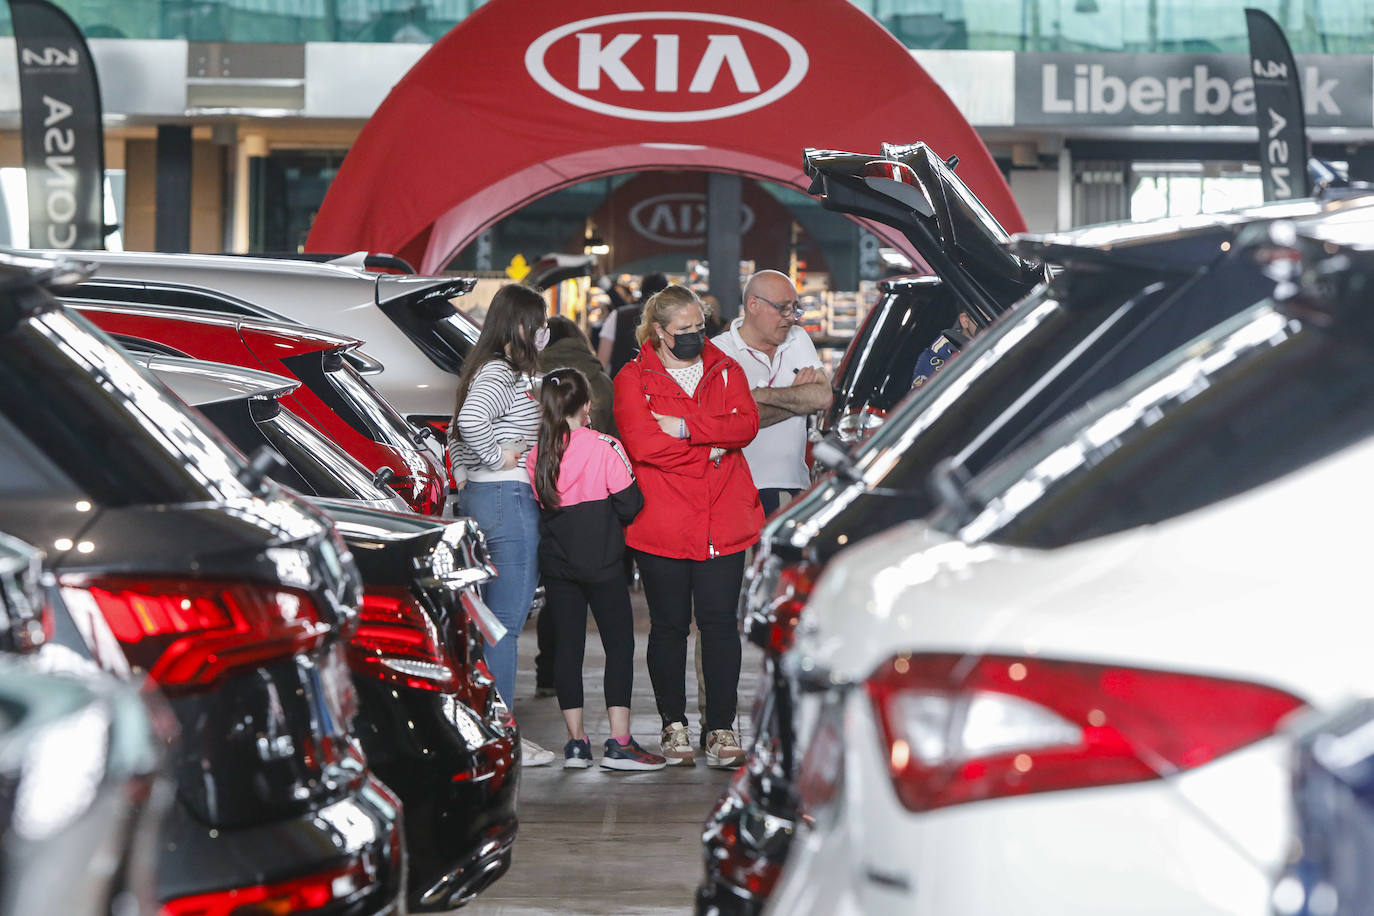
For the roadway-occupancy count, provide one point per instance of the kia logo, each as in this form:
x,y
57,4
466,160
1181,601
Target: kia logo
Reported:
x,y
666,66
679,218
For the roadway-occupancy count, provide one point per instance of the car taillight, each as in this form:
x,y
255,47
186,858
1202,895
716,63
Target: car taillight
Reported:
x,y
187,633
299,895
397,641
425,496
858,425
794,588
957,730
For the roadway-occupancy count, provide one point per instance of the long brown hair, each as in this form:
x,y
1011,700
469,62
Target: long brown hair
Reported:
x,y
516,313
563,393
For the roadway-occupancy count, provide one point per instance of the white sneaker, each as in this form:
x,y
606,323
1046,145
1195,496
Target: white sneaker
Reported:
x,y
532,755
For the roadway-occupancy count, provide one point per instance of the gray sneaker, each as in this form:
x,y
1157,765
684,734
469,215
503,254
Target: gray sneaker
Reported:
x,y
677,746
723,749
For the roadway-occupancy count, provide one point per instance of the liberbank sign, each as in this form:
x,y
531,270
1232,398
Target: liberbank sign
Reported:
x,y
1065,90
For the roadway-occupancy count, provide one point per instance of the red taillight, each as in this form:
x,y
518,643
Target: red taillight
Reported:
x,y
397,641
299,895
189,633
426,496
958,730
794,588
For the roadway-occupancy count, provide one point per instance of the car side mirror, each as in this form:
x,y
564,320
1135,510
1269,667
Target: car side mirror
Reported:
x,y
383,476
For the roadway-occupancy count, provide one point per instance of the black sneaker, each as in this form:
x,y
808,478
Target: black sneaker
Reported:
x,y
577,755
617,756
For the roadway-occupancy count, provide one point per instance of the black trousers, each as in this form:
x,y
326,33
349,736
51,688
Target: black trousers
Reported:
x,y
774,498
543,660
675,589
566,603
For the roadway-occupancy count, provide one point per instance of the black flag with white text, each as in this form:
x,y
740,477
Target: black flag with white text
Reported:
x,y
1278,110
63,139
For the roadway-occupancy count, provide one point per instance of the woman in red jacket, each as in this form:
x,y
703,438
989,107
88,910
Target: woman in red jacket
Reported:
x,y
684,411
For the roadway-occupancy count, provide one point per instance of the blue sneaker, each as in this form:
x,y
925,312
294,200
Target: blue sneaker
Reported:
x,y
577,755
617,756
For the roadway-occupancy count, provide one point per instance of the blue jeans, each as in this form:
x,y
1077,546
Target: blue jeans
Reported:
x,y
506,511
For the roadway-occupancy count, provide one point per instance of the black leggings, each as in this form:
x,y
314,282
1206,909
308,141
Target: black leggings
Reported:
x,y
566,603
674,588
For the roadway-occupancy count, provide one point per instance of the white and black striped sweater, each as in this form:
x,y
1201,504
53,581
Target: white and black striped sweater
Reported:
x,y
500,405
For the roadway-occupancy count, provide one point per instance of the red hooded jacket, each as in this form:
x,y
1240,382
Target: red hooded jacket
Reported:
x,y
694,508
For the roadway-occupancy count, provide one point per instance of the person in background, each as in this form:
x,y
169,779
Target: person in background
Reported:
x,y
615,349
495,420
787,381
587,492
568,349
685,412
943,348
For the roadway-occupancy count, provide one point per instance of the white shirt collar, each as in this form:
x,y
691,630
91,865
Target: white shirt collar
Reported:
x,y
738,339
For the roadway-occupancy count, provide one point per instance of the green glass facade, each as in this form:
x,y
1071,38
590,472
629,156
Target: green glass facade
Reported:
x,y
1196,26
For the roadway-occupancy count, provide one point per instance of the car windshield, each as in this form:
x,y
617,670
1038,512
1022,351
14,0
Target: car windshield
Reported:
x,y
105,426
1262,395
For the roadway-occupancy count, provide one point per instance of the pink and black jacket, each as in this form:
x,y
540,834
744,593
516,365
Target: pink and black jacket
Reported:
x,y
584,538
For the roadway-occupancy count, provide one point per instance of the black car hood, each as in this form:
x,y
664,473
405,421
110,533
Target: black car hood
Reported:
x,y
386,545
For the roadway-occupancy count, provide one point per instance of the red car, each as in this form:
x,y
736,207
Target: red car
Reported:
x,y
333,397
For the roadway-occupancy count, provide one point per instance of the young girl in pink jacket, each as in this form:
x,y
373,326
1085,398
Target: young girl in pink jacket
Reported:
x,y
587,493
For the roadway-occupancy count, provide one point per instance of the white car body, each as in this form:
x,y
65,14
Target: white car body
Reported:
x,y
332,297
1263,588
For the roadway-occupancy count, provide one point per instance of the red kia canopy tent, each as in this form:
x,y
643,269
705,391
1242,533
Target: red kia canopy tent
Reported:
x,y
525,97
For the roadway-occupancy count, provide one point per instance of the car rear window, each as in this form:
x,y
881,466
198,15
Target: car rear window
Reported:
x,y
101,421
1258,409
338,383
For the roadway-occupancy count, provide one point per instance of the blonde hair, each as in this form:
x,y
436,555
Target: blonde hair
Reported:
x,y
662,305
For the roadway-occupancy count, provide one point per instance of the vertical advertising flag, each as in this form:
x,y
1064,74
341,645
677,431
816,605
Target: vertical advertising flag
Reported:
x,y
1278,110
64,144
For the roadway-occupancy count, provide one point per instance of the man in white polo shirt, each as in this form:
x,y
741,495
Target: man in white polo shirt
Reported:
x,y
788,382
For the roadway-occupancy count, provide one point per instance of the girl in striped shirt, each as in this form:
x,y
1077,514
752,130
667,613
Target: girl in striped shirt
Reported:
x,y
494,423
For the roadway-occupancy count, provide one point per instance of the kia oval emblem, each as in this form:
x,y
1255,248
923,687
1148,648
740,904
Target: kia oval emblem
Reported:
x,y
656,65
679,218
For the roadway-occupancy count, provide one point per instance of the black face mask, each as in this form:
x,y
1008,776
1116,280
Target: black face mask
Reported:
x,y
687,345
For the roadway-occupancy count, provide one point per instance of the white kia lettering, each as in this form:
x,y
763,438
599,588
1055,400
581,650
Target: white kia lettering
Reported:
x,y
1095,91
592,60
725,50
725,60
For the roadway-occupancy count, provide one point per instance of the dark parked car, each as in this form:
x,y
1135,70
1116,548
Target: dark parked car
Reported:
x,y
429,719
1125,295
178,562
429,716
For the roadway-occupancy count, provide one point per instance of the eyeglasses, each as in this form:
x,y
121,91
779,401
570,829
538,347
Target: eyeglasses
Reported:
x,y
785,309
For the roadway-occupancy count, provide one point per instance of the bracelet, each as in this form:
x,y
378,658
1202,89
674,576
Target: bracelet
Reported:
x,y
682,428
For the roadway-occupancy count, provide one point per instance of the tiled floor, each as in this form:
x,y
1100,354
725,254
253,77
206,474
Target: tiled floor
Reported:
x,y
595,842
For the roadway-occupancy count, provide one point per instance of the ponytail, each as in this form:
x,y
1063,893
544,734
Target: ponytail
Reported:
x,y
561,395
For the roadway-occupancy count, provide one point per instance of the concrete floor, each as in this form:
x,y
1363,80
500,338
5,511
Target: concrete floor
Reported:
x,y
597,842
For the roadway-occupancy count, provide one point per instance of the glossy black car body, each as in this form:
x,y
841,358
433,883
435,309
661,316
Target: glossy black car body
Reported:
x,y
876,371
82,789
443,741
176,561
444,744
1125,296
